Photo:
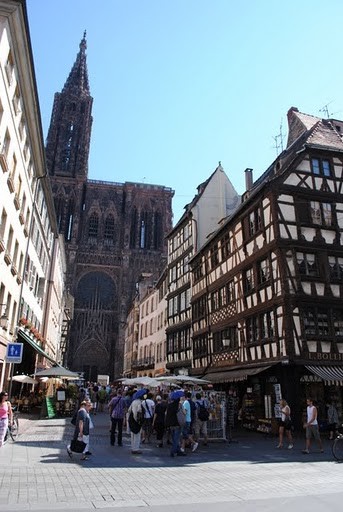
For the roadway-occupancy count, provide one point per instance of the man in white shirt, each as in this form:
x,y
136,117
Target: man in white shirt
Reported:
x,y
148,406
311,426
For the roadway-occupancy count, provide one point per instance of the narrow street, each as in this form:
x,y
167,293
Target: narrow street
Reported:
x,y
248,474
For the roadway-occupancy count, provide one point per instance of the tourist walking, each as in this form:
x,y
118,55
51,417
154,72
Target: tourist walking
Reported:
x,y
171,421
117,410
187,437
201,418
311,426
102,394
285,424
159,420
333,420
148,406
6,416
82,429
136,416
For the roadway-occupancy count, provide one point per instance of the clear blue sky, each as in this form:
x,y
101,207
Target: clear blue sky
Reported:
x,y
180,84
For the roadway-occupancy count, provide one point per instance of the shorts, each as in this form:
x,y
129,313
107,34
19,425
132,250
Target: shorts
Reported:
x,y
286,424
186,430
312,431
200,427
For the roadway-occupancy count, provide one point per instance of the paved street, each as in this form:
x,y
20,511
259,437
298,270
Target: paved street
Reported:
x,y
249,474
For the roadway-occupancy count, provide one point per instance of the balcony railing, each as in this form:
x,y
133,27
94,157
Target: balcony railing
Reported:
x,y
147,362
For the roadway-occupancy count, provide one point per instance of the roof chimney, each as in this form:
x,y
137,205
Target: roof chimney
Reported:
x,y
248,179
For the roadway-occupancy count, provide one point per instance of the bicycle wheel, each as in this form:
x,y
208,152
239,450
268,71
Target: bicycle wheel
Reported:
x,y
14,429
337,449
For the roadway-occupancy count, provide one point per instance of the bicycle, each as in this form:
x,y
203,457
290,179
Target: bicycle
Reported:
x,y
13,429
337,447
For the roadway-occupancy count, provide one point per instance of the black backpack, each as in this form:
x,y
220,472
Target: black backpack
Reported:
x,y
203,413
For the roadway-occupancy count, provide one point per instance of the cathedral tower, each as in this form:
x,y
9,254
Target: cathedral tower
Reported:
x,y
113,232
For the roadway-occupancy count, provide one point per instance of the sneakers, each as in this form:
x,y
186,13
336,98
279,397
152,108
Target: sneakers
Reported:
x,y
182,450
290,446
195,446
279,446
305,451
70,453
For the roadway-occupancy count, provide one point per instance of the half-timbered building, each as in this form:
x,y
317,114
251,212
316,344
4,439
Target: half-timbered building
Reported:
x,y
267,311
215,200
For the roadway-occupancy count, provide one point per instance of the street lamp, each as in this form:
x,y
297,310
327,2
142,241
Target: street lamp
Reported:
x,y
3,318
226,342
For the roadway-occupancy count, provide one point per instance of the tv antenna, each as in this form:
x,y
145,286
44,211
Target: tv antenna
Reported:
x,y
278,141
325,110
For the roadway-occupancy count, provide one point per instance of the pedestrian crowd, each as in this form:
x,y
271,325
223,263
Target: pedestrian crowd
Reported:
x,y
143,414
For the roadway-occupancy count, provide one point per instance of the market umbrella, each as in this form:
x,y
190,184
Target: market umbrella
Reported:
x,y
141,381
58,371
184,379
24,379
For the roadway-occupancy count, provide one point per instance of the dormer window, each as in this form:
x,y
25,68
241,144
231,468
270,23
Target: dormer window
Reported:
x,y
321,167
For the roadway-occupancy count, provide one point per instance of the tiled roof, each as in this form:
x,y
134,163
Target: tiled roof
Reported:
x,y
326,136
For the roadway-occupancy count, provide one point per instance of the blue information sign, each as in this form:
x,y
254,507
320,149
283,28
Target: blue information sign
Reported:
x,y
14,352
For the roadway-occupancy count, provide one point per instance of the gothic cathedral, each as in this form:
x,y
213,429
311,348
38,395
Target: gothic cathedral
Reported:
x,y
113,232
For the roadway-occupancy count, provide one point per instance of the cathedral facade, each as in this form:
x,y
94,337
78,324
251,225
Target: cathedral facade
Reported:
x,y
114,232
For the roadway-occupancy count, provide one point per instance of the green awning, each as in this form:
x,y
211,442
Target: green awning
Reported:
x,y
22,334
235,375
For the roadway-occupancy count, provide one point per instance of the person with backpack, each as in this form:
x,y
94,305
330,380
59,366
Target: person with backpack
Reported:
x,y
102,394
117,412
136,417
202,416
171,422
148,406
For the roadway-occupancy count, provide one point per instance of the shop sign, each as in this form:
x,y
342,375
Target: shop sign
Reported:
x,y
224,362
325,356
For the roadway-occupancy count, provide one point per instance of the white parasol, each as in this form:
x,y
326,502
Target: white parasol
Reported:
x,y
58,371
24,379
183,379
141,381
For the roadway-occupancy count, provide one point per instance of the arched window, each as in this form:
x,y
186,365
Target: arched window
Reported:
x,y
133,229
109,230
67,147
158,231
144,231
93,226
69,220
59,205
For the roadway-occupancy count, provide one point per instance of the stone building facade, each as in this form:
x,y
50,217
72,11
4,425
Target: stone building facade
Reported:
x,y
113,232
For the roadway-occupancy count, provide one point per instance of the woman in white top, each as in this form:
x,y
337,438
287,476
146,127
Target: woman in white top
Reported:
x,y
285,424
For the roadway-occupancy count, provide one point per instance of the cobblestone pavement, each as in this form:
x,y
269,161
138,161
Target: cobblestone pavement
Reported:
x,y
36,472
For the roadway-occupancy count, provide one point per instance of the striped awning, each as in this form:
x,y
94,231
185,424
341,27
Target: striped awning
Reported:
x,y
331,375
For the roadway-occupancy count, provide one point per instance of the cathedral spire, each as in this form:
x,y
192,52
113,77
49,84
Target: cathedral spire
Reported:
x,y
77,81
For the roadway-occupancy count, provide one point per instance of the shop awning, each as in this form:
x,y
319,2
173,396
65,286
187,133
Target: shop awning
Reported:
x,y
22,334
235,375
331,375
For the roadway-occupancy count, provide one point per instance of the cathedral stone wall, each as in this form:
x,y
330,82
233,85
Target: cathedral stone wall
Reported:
x,y
113,232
